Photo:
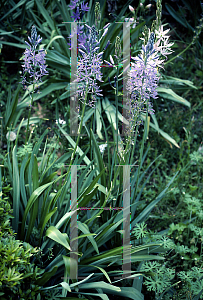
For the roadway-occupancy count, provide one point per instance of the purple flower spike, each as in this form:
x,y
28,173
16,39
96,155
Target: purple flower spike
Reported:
x,y
76,15
84,7
34,63
73,4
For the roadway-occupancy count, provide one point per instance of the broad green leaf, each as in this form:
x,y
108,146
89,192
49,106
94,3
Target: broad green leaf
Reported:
x,y
11,107
82,236
86,159
101,284
47,217
58,58
176,16
177,81
102,296
63,219
91,186
43,92
88,197
31,201
164,134
35,173
54,234
80,282
129,292
171,95
53,39
107,254
104,272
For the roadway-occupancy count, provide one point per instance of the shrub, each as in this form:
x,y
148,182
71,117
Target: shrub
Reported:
x,y
17,274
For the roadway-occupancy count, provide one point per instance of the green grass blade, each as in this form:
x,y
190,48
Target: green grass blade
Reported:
x,y
144,214
16,191
84,228
46,219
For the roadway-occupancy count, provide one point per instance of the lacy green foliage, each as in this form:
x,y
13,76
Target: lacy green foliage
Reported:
x,y
193,282
22,151
140,230
161,278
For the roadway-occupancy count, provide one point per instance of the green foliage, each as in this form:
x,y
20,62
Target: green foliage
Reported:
x,y
37,184
17,274
5,215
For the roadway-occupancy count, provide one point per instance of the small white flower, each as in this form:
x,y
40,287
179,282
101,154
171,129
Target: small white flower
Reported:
x,y
61,121
12,136
131,20
162,44
102,147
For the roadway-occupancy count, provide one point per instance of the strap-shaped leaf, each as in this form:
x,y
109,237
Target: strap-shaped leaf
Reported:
x,y
84,228
54,234
171,95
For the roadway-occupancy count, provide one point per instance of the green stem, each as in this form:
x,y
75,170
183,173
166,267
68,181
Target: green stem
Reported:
x,y
79,132
142,146
116,99
28,121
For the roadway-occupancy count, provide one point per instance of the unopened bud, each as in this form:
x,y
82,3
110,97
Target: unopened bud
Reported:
x,y
148,6
131,9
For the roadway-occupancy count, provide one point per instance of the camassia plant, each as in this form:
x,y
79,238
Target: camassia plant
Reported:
x,y
42,199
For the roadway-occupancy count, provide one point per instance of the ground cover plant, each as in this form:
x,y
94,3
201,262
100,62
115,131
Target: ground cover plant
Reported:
x,y
47,174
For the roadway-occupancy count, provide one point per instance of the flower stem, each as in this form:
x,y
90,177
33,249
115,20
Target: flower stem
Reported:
x,y
32,99
116,98
79,132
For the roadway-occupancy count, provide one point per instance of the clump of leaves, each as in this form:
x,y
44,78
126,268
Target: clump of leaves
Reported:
x,y
5,215
17,273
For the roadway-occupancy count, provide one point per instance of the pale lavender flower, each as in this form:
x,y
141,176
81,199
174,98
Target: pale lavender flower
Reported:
x,y
89,70
89,66
73,4
142,83
144,76
34,61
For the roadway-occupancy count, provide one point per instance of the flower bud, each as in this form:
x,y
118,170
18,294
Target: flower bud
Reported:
x,y
131,9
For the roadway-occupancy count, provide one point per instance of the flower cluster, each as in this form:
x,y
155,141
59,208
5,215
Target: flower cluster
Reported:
x,y
89,67
162,46
144,76
79,11
142,83
34,61
89,60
